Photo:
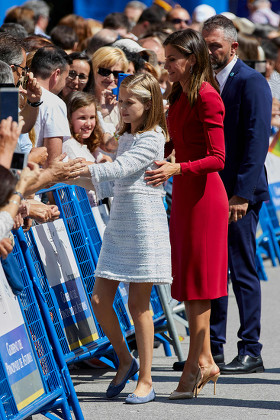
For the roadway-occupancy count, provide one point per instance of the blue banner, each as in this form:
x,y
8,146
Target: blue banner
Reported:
x,y
98,11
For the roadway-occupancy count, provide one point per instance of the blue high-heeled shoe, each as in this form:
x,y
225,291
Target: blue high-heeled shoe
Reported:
x,y
134,399
114,390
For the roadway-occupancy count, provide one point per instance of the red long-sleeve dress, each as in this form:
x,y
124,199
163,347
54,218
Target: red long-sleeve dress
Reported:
x,y
199,213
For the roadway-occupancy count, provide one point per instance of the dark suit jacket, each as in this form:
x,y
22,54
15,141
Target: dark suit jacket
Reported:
x,y
248,102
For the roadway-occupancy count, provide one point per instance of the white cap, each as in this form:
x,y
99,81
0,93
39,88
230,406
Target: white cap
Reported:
x,y
203,12
229,15
129,44
244,25
133,46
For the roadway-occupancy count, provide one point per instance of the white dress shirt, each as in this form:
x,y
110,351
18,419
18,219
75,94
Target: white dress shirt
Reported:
x,y
222,76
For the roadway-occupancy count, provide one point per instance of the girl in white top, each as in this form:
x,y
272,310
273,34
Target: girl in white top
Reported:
x,y
86,134
135,247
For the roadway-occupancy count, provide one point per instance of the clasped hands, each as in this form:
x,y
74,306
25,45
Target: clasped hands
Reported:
x,y
238,207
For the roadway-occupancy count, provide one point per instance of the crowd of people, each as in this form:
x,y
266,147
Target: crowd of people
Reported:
x,y
199,101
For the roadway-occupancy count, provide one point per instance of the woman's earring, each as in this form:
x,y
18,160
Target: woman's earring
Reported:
x,y
191,70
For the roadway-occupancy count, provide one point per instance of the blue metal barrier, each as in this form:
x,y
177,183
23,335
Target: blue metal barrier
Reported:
x,y
53,395
86,243
267,227
79,198
35,297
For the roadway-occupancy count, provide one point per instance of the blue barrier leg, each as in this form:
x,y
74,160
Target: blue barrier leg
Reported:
x,y
58,354
166,345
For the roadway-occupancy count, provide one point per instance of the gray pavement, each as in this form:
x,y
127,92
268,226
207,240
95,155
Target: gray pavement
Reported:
x,y
252,396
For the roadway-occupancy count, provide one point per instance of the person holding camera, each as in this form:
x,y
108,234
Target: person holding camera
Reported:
x,y
13,54
108,63
12,190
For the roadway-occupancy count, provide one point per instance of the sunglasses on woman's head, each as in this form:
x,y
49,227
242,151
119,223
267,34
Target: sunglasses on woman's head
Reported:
x,y
106,72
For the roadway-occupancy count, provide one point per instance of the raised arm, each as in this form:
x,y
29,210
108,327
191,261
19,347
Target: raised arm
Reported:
x,y
140,156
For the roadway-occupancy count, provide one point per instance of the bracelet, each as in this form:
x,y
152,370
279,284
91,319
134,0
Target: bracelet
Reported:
x,y
19,194
34,104
13,202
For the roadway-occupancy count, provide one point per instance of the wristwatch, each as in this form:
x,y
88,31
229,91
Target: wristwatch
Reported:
x,y
34,104
19,194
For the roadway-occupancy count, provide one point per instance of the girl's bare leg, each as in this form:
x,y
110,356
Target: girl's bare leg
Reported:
x,y
139,300
102,302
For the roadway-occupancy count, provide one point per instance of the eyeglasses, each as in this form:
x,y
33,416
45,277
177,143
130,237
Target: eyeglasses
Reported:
x,y
83,78
106,72
178,20
24,69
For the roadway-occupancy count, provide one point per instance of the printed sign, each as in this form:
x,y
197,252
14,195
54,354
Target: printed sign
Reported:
x,y
63,275
16,351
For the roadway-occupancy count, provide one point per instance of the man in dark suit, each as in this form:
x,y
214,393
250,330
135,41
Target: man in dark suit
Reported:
x,y
248,102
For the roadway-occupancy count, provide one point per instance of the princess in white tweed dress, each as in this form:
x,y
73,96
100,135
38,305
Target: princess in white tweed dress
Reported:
x,y
136,240
136,246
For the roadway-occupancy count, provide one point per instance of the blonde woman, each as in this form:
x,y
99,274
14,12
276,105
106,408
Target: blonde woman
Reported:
x,y
107,63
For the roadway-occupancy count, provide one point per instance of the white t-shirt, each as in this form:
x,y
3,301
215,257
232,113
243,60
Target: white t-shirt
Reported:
x,y
24,144
52,118
74,149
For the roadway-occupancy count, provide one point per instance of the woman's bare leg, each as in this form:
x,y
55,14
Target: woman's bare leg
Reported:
x,y
139,301
198,313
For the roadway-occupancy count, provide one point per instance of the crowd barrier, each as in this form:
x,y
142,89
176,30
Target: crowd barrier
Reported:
x,y
57,262
268,236
57,325
31,379
77,214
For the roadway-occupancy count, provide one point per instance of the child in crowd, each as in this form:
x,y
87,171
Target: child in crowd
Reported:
x,y
135,247
86,134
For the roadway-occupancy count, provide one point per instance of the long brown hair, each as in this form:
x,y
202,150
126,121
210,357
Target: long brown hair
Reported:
x,y
146,88
75,101
189,42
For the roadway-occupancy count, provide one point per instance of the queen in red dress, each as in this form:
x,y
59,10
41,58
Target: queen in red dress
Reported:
x,y
199,212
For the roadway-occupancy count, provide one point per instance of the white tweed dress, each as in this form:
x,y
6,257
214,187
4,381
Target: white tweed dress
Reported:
x,y
136,245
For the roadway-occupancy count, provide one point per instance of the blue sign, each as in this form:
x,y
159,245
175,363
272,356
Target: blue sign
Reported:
x,y
21,367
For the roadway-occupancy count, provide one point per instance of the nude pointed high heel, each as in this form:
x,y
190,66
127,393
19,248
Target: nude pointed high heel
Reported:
x,y
207,378
177,395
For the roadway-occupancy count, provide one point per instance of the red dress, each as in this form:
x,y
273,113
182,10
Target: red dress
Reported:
x,y
199,212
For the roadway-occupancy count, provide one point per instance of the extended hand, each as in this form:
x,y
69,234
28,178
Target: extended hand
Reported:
x,y
28,176
6,247
61,171
237,208
9,134
163,173
38,155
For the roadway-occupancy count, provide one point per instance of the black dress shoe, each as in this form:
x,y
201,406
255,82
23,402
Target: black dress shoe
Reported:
x,y
179,366
243,364
218,359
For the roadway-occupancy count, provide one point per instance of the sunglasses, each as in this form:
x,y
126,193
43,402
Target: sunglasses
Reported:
x,y
83,78
177,20
106,72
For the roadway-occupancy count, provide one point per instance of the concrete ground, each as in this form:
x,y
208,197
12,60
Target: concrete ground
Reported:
x,y
252,396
